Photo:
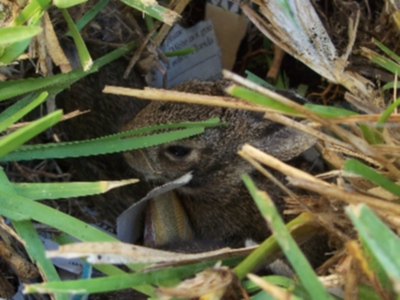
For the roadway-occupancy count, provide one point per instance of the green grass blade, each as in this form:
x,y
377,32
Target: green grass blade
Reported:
x,y
36,251
329,111
15,34
302,89
67,3
96,285
109,270
13,88
372,135
32,8
257,98
51,217
303,269
32,11
29,209
286,282
60,190
367,293
180,52
113,55
6,186
18,87
254,78
297,292
152,8
19,109
390,85
383,244
298,228
108,144
90,15
387,51
20,136
10,201
83,52
385,63
11,52
292,285
354,166
19,208
96,147
388,111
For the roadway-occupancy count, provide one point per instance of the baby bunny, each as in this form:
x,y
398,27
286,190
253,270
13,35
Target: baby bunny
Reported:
x,y
218,205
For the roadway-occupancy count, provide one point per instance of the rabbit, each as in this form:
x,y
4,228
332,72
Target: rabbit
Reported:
x,y
218,205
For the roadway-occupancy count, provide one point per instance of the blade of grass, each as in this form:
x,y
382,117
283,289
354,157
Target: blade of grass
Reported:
x,y
382,242
20,136
19,109
367,293
152,8
299,263
149,23
385,62
14,34
390,85
281,281
32,8
276,291
13,88
60,190
90,15
30,209
354,166
180,52
67,3
329,111
24,228
387,51
113,55
11,52
96,285
96,147
388,111
36,251
254,78
268,249
372,135
46,215
83,52
18,87
19,208
108,144
286,282
109,270
4,211
257,98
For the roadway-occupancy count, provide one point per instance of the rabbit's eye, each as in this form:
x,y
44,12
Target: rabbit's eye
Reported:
x,y
178,152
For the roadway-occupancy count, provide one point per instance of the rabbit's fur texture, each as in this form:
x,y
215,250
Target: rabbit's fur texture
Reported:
x,y
218,205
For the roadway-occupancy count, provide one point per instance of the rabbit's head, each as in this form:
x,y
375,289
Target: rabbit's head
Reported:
x,y
212,156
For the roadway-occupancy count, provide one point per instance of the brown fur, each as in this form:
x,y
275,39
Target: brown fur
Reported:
x,y
218,204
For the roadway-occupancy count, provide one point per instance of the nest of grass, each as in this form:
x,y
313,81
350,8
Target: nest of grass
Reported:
x,y
359,148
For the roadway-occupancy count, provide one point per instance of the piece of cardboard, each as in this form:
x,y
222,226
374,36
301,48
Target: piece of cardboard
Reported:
x,y
230,28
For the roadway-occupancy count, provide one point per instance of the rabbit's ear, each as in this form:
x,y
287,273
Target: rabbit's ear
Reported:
x,y
285,143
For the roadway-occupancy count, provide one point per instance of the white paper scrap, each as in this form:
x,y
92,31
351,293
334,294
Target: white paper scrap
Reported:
x,y
203,64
